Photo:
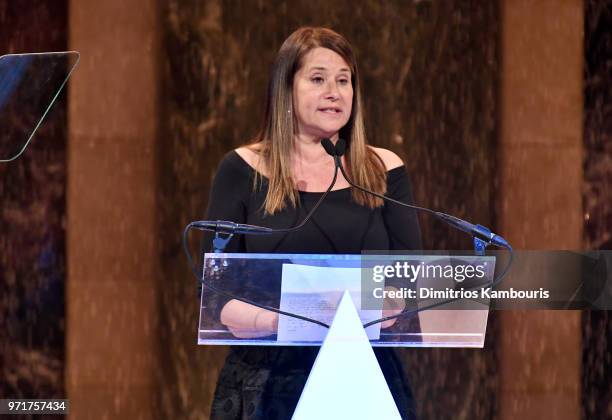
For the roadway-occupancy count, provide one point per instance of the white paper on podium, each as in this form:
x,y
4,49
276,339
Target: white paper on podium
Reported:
x,y
315,292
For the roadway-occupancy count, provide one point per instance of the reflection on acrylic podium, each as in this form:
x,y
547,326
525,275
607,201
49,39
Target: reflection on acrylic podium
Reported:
x,y
311,286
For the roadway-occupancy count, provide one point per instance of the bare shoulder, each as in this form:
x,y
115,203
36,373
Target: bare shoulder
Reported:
x,y
390,159
250,155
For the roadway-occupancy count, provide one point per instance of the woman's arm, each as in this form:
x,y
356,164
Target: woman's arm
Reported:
x,y
248,321
402,223
230,192
391,306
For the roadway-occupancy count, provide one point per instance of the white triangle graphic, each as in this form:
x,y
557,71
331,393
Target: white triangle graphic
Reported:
x,y
346,381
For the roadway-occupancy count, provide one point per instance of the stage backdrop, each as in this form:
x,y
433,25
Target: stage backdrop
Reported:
x,y
165,88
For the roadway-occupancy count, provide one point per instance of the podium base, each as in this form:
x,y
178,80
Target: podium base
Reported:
x,y
346,380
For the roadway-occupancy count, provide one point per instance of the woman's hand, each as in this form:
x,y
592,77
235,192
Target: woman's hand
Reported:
x,y
266,321
391,306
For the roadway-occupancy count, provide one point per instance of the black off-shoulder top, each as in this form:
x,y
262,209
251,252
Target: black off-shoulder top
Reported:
x,y
339,225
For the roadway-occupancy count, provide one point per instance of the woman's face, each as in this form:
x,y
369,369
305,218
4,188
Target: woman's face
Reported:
x,y
322,94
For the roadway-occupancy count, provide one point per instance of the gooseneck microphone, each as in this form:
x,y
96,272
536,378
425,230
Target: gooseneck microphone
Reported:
x,y
230,228
477,231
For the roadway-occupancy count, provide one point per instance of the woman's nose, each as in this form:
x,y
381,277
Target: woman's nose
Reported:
x,y
332,90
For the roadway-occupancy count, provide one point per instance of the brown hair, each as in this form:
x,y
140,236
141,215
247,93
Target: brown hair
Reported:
x,y
275,140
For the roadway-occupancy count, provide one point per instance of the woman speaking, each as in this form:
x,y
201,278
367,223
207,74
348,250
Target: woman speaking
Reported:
x,y
313,93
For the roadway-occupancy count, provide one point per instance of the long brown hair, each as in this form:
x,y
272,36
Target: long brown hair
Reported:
x,y
275,141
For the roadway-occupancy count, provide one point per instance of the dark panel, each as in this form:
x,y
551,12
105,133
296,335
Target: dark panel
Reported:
x,y
430,74
598,124
597,199
32,213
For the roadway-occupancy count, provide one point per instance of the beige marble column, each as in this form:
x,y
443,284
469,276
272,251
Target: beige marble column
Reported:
x,y
540,159
111,224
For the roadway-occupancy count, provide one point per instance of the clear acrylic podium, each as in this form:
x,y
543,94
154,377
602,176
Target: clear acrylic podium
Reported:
x,y
311,285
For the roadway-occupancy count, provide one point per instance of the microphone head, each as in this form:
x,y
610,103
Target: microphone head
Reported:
x,y
328,146
340,147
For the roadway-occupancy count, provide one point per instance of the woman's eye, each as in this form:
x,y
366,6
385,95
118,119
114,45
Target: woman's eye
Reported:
x,y
318,80
343,82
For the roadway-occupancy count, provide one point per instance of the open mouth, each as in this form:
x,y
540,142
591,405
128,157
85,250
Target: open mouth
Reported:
x,y
331,110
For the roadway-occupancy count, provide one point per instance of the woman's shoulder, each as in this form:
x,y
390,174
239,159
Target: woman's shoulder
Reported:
x,y
243,159
251,155
248,154
390,159
233,175
233,166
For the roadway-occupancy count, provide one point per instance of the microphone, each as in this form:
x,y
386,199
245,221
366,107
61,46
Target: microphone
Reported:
x,y
333,151
340,147
329,147
477,231
222,226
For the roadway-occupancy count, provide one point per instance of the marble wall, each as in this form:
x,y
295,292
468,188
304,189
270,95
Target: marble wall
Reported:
x,y
32,222
112,212
540,203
